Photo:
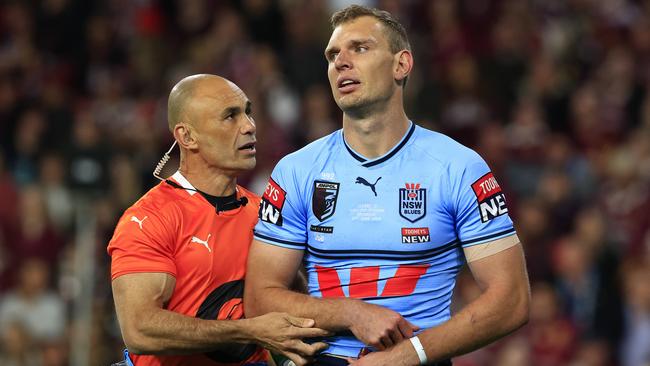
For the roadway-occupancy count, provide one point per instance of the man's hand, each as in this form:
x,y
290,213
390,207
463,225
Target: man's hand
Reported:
x,y
376,359
283,333
379,327
402,354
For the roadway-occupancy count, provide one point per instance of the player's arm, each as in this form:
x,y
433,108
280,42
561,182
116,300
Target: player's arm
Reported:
x,y
147,328
270,273
501,308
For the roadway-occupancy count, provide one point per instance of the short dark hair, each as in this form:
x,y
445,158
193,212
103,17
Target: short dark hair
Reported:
x,y
397,38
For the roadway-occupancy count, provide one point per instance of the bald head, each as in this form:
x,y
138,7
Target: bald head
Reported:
x,y
180,98
210,118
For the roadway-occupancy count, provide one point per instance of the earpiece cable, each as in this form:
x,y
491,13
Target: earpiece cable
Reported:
x,y
162,162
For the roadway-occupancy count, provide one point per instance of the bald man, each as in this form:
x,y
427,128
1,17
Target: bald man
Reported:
x,y
178,255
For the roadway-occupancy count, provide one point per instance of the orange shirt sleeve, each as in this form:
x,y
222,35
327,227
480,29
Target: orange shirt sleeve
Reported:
x,y
143,241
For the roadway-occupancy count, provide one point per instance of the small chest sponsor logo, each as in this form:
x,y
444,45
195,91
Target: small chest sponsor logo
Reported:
x,y
205,243
322,229
361,180
138,221
491,200
412,202
272,203
415,235
323,202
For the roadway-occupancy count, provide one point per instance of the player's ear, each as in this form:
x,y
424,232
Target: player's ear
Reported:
x,y
402,66
185,136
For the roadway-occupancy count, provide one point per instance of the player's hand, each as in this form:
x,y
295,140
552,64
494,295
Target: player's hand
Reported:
x,y
283,333
378,326
402,354
383,358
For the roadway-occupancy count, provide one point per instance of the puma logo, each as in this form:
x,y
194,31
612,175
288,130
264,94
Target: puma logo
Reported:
x,y
202,242
361,180
135,219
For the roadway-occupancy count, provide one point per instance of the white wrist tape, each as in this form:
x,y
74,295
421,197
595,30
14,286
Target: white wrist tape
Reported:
x,y
415,341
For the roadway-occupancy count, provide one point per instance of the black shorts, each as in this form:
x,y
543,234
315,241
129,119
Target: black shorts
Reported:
x,y
327,360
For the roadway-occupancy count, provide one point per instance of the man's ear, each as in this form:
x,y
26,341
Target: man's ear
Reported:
x,y
403,66
185,136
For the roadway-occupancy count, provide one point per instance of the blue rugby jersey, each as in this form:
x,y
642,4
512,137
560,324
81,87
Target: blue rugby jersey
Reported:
x,y
388,230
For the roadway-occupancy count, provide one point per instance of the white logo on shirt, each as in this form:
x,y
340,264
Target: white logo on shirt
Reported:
x,y
135,219
328,175
367,212
202,242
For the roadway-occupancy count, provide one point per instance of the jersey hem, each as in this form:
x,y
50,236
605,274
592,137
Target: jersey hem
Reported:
x,y
146,270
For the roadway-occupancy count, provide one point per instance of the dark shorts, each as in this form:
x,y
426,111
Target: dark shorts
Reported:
x,y
326,360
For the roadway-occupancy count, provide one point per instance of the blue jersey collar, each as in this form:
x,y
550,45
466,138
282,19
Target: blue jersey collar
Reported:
x,y
369,163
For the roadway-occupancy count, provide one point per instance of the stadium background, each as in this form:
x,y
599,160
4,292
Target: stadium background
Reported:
x,y
553,94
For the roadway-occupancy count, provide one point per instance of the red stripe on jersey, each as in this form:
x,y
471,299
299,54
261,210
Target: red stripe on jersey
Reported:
x,y
363,281
329,282
405,280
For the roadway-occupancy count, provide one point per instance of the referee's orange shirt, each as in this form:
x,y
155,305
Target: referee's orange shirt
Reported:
x,y
177,231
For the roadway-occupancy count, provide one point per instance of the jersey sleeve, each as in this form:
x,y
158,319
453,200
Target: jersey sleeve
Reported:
x,y
282,213
142,242
481,213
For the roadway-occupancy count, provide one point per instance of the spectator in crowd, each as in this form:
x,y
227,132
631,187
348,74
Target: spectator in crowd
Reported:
x,y
57,194
635,349
552,334
36,308
17,347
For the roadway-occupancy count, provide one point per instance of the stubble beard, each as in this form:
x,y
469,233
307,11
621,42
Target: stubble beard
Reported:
x,y
361,108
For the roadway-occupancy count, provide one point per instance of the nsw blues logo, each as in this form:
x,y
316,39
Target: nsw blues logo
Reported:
x,y
323,202
412,202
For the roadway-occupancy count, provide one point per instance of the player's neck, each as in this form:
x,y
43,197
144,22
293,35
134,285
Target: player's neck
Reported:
x,y
212,181
374,135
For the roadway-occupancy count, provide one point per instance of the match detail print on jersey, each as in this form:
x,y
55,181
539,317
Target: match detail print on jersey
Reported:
x,y
491,201
272,203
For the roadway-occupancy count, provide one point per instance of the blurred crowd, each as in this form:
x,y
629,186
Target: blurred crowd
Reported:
x,y
554,94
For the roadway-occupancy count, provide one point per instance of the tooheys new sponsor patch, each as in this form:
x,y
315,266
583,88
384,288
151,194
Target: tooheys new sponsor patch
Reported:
x,y
491,201
415,235
272,203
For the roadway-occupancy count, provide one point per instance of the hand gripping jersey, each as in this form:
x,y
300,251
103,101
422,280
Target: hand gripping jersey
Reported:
x,y
177,231
389,231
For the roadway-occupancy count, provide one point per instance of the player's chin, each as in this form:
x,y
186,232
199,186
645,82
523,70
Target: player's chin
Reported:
x,y
344,105
248,163
351,100
352,105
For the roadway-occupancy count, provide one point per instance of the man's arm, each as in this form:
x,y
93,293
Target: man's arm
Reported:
x,y
147,328
269,275
501,308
